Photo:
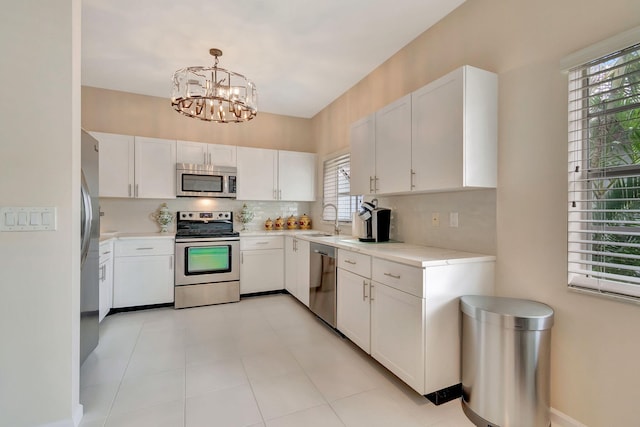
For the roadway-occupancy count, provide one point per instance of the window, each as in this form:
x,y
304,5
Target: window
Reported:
x,y
337,189
604,175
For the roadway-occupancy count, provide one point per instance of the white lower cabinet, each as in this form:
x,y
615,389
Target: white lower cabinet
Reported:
x,y
354,309
408,317
105,279
397,333
261,264
296,268
143,272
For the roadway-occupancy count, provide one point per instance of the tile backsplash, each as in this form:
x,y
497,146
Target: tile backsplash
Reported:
x,y
134,215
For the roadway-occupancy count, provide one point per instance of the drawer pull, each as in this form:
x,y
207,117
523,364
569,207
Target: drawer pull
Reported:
x,y
364,293
371,293
392,275
348,261
106,252
262,243
143,249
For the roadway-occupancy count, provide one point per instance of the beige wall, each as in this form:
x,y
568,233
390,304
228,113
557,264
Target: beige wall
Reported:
x,y
40,166
594,346
131,114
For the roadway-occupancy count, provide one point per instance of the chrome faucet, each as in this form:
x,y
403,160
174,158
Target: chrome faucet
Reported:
x,y
336,226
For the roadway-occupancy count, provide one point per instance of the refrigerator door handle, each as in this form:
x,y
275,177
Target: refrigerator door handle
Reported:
x,y
87,212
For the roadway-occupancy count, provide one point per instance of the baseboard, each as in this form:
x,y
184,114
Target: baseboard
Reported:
x,y
560,419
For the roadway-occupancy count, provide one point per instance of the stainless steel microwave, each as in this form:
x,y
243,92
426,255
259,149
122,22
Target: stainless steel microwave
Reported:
x,y
194,180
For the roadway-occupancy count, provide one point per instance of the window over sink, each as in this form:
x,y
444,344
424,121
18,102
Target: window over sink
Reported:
x,y
337,177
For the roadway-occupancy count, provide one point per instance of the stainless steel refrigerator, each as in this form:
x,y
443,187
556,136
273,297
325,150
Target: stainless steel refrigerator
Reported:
x,y
90,235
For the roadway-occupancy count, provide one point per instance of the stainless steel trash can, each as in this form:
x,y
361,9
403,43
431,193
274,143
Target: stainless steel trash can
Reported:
x,y
506,345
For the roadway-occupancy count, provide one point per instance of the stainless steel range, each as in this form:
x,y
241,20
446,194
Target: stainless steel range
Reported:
x,y
207,259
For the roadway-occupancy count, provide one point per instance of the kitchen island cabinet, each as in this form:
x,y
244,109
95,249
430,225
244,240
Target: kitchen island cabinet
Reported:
x,y
143,271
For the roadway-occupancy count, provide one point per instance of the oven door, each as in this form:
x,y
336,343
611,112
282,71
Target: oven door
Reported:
x,y
207,261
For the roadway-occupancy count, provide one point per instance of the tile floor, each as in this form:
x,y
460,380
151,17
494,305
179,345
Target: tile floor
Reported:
x,y
265,361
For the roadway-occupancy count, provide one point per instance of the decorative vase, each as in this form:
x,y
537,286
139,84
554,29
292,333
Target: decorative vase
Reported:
x,y
268,224
245,216
279,223
292,223
163,217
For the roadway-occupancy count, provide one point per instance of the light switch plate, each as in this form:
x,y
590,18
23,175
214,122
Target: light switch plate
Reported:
x,y
27,218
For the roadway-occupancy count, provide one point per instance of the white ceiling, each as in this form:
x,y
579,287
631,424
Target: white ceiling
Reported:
x,y
301,54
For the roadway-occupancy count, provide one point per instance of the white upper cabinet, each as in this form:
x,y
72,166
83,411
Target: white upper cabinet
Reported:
x,y
136,166
265,174
155,168
257,174
116,164
393,147
363,155
454,131
206,154
441,137
296,176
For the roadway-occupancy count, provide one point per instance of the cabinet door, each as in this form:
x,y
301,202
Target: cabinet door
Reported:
x,y
257,173
290,266
155,168
296,176
192,152
222,155
143,280
116,164
261,270
397,333
303,251
363,155
393,147
437,158
353,310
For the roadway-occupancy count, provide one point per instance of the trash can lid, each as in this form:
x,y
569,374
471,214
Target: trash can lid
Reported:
x,y
512,313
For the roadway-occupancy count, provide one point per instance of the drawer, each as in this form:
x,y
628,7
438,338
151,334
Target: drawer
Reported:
x,y
354,262
106,250
142,247
264,242
399,276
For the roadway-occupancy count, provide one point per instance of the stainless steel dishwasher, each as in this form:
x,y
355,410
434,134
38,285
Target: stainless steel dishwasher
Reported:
x,y
322,282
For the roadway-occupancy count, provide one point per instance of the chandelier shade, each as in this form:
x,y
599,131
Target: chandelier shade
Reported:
x,y
214,94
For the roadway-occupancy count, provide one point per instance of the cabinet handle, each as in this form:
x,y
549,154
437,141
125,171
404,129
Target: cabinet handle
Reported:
x,y
375,184
295,245
348,261
279,194
106,252
371,298
241,257
413,173
209,158
262,243
136,190
364,293
171,262
275,194
370,184
129,190
392,275
204,156
143,249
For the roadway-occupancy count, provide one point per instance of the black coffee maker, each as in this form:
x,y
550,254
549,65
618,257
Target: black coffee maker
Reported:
x,y
376,222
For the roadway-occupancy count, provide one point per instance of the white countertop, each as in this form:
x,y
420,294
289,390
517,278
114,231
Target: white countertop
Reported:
x,y
413,255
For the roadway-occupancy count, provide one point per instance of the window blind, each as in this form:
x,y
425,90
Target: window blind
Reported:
x,y
604,175
337,188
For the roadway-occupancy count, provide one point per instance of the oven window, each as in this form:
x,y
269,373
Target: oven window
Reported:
x,y
208,259
203,183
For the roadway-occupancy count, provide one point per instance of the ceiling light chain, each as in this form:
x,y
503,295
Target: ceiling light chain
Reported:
x,y
214,94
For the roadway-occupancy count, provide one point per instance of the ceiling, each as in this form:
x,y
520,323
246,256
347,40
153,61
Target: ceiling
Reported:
x,y
301,54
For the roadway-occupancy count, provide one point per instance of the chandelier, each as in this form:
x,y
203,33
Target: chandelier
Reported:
x,y
214,94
